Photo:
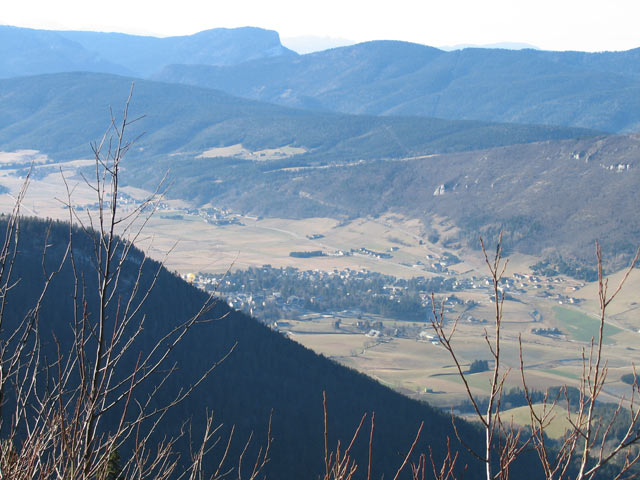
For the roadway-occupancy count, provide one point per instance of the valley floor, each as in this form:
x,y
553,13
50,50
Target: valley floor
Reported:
x,y
555,316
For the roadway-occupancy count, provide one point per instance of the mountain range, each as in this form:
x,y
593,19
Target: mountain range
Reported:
x,y
60,113
591,90
25,51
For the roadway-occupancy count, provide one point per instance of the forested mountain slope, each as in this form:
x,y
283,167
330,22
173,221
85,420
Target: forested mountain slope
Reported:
x,y
592,90
57,113
542,184
551,198
265,372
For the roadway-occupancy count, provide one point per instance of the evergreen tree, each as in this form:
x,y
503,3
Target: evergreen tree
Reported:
x,y
113,470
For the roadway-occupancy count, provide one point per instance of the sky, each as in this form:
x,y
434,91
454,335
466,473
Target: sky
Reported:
x,y
584,25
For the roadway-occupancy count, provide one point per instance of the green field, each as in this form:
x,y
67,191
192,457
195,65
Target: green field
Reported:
x,y
561,373
582,327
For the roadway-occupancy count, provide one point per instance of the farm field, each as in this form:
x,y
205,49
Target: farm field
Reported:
x,y
421,368
582,327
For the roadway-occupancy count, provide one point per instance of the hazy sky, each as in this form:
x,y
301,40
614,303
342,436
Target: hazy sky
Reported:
x,y
549,24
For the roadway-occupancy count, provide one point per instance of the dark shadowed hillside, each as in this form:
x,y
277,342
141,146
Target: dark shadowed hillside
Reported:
x,y
265,372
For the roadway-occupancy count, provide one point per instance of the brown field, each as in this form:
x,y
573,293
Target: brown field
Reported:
x,y
426,371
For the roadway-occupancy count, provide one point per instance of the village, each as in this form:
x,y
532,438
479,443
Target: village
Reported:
x,y
277,295
217,216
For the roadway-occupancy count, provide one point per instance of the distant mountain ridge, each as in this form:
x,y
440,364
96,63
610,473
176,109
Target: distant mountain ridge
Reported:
x,y
59,114
25,51
219,46
312,43
591,90
504,45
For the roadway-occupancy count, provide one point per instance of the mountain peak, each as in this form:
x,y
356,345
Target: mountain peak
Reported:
x,y
26,51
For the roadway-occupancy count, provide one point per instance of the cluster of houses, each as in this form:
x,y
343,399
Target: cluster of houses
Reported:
x,y
255,301
370,253
440,265
548,288
269,304
212,215
124,201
